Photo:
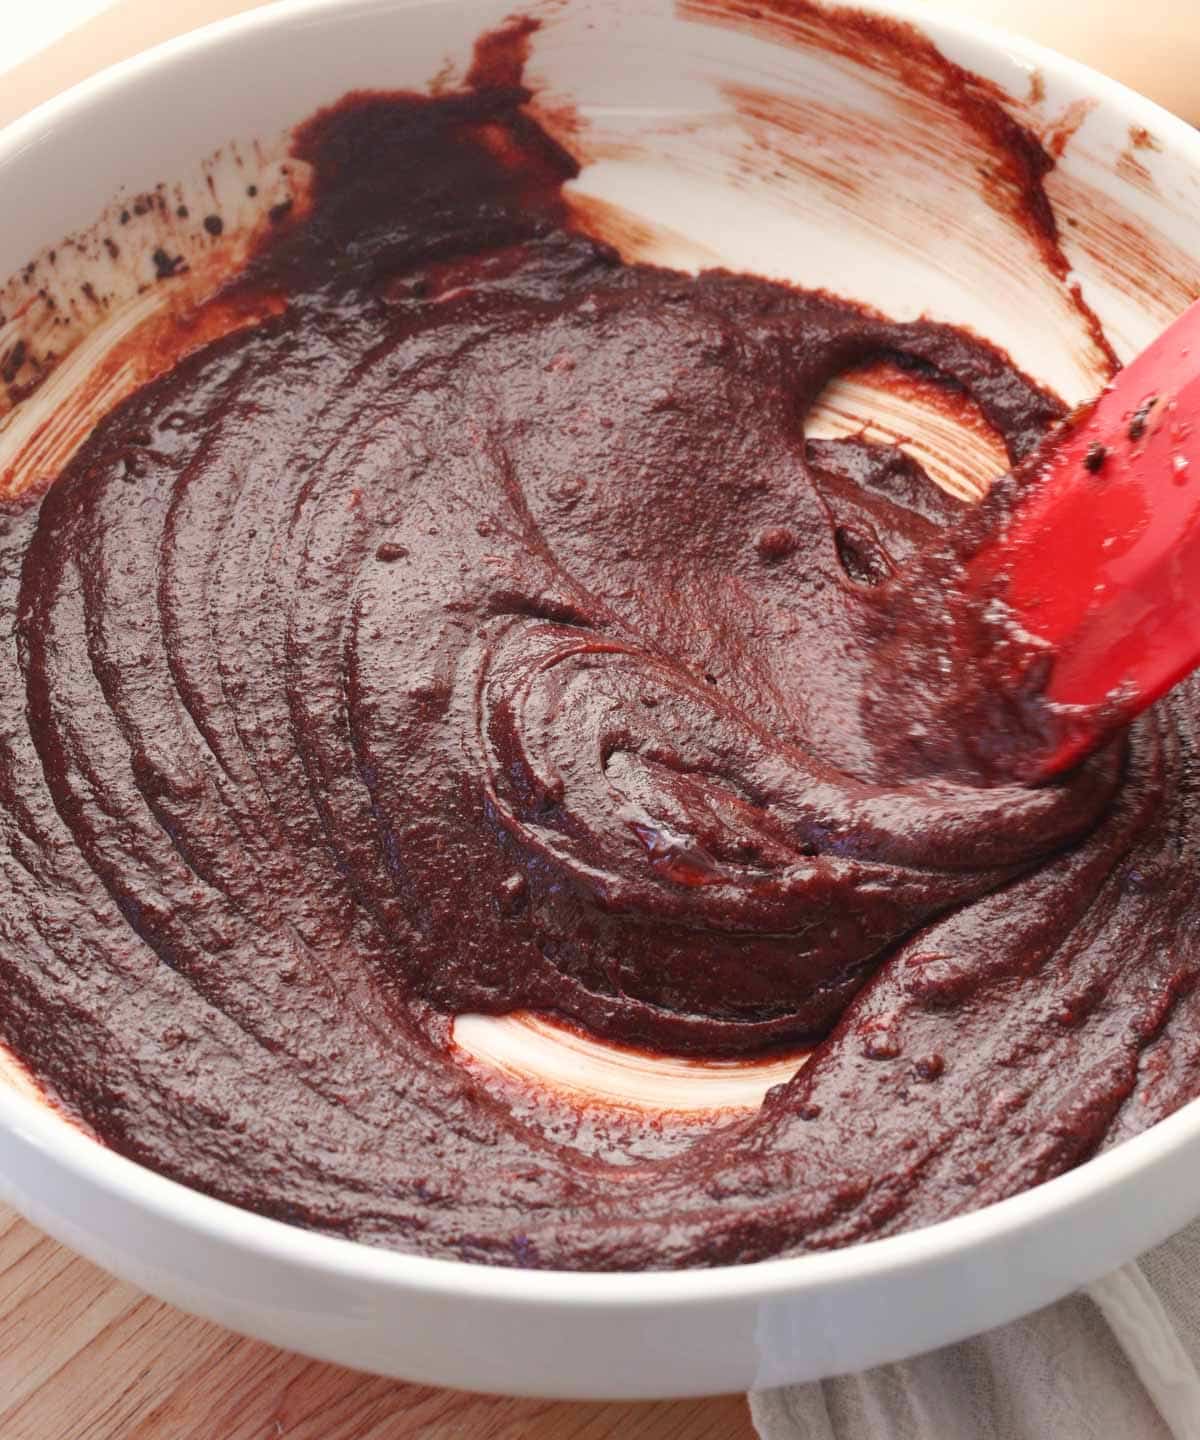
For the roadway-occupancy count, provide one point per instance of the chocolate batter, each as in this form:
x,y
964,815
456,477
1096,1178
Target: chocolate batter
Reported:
x,y
482,633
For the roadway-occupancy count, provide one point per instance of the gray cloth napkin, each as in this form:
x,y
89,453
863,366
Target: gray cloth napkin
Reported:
x,y
1116,1361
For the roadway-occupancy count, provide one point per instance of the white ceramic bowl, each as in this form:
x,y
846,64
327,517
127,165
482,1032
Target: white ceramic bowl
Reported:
x,y
695,174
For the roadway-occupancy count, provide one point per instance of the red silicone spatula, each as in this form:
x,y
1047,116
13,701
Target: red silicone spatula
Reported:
x,y
1100,559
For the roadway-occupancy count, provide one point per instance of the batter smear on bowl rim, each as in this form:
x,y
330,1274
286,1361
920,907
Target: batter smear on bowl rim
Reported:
x,y
479,633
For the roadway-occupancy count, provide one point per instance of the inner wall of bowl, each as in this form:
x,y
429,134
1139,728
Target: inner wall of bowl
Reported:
x,y
722,137
706,137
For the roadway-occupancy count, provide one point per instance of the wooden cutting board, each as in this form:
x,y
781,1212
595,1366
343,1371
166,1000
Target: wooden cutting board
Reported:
x,y
86,1357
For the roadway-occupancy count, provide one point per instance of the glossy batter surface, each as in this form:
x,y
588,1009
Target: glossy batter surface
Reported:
x,y
482,633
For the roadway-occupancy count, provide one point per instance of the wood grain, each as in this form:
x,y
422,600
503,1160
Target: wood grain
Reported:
x,y
86,1357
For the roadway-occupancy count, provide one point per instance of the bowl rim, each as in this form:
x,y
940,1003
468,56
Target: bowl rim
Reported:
x,y
54,1134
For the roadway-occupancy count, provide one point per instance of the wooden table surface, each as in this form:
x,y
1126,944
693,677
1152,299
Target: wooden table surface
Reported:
x,y
86,1357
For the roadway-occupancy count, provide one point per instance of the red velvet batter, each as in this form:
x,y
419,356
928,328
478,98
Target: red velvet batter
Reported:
x,y
483,633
